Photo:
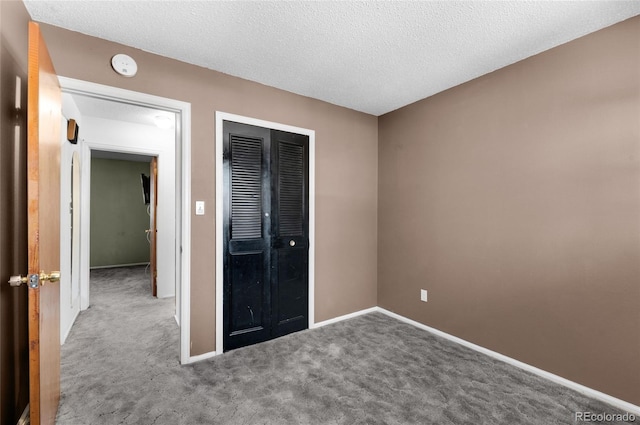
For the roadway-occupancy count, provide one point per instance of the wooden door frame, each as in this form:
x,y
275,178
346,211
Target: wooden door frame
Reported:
x,y
224,116
183,191
153,239
44,111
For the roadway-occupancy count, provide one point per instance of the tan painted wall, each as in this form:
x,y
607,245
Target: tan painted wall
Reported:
x,y
346,168
514,199
14,340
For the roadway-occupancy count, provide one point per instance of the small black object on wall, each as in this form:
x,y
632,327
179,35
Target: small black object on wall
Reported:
x,y
146,188
72,131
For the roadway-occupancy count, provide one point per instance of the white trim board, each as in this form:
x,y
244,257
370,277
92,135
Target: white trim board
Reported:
x,y
223,116
70,254
182,195
66,332
205,356
118,265
345,317
590,392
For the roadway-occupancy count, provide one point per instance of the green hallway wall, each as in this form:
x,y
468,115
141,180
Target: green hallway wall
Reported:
x,y
118,216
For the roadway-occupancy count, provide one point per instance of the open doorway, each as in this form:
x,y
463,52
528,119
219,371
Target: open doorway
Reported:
x,y
116,124
124,213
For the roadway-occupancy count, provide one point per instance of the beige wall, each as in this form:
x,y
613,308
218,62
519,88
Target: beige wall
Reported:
x,y
346,169
514,199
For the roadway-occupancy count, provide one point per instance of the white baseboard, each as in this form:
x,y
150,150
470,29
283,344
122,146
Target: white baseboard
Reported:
x,y
68,331
25,419
613,401
211,354
345,317
201,357
590,392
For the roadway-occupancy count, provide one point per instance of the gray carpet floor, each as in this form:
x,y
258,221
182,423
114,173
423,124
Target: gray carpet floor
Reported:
x,y
120,366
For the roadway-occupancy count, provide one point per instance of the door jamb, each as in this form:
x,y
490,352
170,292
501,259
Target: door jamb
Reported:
x,y
183,190
223,116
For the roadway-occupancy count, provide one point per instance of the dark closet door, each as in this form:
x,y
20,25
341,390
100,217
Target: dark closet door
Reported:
x,y
266,234
247,287
290,230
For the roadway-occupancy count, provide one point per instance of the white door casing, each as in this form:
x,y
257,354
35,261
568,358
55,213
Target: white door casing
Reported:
x,y
176,168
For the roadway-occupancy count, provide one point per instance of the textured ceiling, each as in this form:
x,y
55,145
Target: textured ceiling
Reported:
x,y
370,56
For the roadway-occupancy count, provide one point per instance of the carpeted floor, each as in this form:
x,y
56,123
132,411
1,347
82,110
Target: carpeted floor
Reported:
x,y
120,366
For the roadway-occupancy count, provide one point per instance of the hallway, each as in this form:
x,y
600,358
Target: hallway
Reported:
x,y
123,322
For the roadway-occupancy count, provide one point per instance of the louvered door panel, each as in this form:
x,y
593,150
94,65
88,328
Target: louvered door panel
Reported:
x,y
246,188
291,189
266,234
290,229
247,309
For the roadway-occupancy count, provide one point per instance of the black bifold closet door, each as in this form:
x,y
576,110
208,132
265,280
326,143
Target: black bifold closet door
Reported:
x,y
266,234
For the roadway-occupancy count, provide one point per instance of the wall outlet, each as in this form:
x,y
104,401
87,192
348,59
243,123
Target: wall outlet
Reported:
x,y
423,295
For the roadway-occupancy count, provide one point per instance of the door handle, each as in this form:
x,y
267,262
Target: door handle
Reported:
x,y
292,243
35,279
50,277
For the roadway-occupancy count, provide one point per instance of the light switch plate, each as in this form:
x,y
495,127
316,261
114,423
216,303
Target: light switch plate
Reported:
x,y
199,207
423,295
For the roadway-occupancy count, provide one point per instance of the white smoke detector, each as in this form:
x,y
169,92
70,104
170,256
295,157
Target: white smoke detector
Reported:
x,y
124,65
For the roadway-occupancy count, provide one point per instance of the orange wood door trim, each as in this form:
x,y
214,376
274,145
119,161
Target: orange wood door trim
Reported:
x,y
154,230
43,200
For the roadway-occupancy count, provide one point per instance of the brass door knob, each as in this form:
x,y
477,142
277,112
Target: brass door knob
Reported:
x,y
49,277
34,280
